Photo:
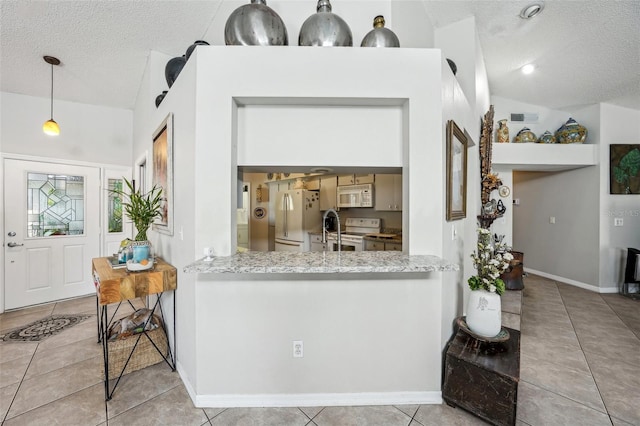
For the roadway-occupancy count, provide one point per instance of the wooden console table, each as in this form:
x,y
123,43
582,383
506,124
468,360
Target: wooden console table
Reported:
x,y
482,378
120,285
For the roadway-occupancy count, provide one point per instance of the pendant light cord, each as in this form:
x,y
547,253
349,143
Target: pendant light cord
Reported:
x,y
52,91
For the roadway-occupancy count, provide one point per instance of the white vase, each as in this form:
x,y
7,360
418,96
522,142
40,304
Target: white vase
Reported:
x,y
484,313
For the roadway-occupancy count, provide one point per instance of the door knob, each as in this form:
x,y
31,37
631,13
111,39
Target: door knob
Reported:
x,y
11,234
12,244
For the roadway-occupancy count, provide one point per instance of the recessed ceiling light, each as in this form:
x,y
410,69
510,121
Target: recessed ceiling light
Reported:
x,y
531,10
528,69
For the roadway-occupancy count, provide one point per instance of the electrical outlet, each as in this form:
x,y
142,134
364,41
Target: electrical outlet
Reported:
x,y
552,219
454,232
298,348
618,221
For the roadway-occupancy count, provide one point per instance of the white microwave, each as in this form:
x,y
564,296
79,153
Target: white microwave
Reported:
x,y
355,196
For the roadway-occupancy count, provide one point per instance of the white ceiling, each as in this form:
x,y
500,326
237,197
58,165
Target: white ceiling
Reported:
x,y
586,51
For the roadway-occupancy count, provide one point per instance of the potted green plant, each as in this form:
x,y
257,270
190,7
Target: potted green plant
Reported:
x,y
142,209
484,308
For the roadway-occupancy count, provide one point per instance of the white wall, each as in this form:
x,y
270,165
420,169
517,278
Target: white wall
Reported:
x,y
618,125
562,250
88,133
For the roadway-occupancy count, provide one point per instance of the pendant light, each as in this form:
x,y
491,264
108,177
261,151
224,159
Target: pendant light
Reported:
x,y
50,127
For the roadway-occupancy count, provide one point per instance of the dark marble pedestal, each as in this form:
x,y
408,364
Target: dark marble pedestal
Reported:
x,y
482,377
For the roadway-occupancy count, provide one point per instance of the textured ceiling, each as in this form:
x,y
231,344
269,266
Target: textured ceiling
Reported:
x,y
586,51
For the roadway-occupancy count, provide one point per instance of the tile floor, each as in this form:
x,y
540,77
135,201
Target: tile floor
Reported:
x,y
580,362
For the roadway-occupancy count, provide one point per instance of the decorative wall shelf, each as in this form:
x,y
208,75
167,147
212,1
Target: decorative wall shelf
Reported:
x,y
544,157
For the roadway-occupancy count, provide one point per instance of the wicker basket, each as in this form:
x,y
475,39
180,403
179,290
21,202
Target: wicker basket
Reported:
x,y
144,355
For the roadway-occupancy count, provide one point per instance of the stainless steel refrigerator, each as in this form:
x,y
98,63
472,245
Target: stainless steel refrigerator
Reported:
x,y
297,214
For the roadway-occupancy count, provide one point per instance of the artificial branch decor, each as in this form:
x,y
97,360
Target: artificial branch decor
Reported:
x,y
488,180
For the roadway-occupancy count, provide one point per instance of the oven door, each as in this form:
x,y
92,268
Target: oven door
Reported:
x,y
346,245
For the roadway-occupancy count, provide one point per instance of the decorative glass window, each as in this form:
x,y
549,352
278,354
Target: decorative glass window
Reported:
x,y
55,205
115,206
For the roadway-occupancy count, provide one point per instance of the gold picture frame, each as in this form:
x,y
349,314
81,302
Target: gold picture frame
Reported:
x,y
163,173
456,172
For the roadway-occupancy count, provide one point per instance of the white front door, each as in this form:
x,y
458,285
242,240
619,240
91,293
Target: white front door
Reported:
x,y
52,231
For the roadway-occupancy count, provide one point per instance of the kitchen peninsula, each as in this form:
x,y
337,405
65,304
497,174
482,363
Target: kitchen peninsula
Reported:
x,y
368,324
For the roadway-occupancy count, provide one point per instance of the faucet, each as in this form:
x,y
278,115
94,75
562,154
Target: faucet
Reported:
x,y
324,228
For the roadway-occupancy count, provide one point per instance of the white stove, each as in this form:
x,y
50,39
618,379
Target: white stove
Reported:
x,y
353,236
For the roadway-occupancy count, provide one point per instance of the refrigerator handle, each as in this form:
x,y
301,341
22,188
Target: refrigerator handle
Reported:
x,y
286,213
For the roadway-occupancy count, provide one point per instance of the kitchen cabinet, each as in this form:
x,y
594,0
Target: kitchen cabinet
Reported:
x,y
355,179
388,193
328,193
382,246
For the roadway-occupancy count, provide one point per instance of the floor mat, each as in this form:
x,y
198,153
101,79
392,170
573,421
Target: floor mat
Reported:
x,y
41,329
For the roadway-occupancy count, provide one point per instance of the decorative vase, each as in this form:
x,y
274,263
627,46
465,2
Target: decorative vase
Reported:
x,y
191,48
380,36
502,134
547,137
525,135
453,66
160,98
571,132
173,68
325,28
484,313
255,24
141,250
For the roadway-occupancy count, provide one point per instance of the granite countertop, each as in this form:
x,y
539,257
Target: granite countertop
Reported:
x,y
395,239
254,262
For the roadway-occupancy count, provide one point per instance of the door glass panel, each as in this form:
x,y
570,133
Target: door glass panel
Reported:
x,y
115,206
55,205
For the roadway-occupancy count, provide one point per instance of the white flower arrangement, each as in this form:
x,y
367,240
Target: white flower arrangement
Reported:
x,y
491,260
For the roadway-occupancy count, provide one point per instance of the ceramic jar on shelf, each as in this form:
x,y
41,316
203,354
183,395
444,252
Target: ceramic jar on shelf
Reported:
x,y
525,135
502,134
380,36
571,132
547,137
255,24
325,28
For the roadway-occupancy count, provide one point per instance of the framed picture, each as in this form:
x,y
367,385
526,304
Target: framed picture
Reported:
x,y
163,173
624,169
456,172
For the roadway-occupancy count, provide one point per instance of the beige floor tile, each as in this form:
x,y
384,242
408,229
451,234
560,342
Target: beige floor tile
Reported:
x,y
511,302
409,410
555,319
173,407
610,346
541,348
537,406
572,382
212,412
618,422
619,384
13,371
49,359
261,416
43,389
76,306
378,415
20,320
87,329
140,386
6,398
13,350
511,320
437,415
561,336
311,412
44,310
85,407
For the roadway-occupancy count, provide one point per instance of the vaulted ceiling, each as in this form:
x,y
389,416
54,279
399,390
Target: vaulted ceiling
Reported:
x,y
585,51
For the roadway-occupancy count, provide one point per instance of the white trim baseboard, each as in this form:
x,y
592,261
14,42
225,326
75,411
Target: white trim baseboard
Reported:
x,y
317,399
573,282
187,384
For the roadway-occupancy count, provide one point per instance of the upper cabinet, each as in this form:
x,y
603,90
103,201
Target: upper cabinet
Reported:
x,y
388,193
355,179
328,193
